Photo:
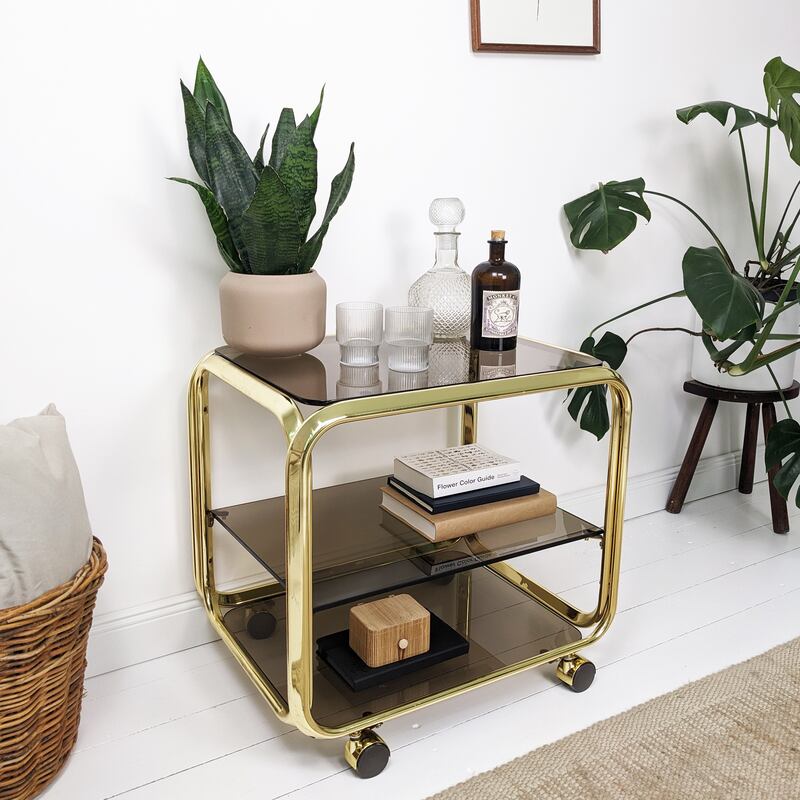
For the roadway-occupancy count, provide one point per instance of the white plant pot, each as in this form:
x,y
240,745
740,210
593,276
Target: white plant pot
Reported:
x,y
760,380
273,315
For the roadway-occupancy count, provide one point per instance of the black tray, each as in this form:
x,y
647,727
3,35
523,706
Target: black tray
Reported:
x,y
335,651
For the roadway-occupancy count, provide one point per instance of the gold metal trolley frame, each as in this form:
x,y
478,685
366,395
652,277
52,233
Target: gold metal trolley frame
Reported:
x,y
302,435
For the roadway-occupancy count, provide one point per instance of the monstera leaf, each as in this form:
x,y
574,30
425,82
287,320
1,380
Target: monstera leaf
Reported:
x,y
783,450
781,84
605,217
725,301
589,402
720,110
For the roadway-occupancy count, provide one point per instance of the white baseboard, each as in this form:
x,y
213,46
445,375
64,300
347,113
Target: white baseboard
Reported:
x,y
119,639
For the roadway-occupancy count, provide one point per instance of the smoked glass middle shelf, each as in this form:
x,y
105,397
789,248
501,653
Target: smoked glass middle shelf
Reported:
x,y
360,550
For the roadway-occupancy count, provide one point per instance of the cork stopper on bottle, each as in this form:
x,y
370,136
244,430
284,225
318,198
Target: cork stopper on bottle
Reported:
x,y
498,236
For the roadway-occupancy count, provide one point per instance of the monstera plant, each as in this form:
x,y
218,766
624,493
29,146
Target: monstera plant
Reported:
x,y
738,302
261,210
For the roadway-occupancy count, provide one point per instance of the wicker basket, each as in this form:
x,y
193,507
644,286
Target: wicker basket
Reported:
x,y
42,662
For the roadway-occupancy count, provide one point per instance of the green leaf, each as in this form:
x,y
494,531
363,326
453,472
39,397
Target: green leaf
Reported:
x,y
270,227
340,187
605,217
284,133
781,84
298,170
206,91
258,161
720,110
783,449
725,301
309,252
589,402
219,224
233,177
594,414
195,132
611,349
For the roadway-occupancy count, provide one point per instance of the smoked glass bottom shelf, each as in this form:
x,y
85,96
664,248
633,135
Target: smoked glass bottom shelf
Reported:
x,y
360,550
502,624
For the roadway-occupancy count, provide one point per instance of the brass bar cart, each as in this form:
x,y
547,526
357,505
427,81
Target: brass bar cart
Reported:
x,y
331,547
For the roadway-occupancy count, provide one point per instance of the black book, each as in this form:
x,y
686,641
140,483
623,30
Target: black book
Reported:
x,y
491,494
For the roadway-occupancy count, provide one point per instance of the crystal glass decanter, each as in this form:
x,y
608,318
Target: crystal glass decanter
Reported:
x,y
445,287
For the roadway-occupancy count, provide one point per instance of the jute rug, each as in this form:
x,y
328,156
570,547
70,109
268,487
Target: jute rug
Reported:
x,y
732,735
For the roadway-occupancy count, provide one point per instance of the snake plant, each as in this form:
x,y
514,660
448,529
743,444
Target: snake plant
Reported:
x,y
260,212
730,301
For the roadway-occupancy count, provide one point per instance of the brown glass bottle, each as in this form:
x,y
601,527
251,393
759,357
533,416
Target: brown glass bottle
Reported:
x,y
495,299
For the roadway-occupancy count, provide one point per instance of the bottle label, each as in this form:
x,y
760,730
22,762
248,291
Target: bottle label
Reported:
x,y
491,371
500,314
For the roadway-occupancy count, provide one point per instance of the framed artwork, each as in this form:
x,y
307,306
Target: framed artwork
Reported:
x,y
536,26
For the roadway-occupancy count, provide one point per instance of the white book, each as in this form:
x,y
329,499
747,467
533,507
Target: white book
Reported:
x,y
439,473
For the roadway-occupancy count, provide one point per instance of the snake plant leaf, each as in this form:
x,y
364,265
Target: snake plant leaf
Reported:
x,y
284,132
258,161
340,188
605,217
298,171
781,84
589,402
206,91
195,132
309,252
720,110
270,227
219,224
783,450
233,178
725,301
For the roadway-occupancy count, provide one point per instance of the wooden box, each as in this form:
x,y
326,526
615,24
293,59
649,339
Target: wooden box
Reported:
x,y
390,629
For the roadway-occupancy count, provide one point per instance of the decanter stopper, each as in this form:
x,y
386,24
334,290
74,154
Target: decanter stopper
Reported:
x,y
446,213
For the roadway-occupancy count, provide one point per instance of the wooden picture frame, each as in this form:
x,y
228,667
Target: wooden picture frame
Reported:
x,y
479,45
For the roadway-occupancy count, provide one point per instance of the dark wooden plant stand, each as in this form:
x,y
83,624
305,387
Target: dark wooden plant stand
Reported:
x,y
713,395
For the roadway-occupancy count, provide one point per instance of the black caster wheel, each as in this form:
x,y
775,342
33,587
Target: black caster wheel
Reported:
x,y
261,625
366,753
576,672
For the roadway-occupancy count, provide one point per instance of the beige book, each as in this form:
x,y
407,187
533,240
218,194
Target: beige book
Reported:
x,y
462,522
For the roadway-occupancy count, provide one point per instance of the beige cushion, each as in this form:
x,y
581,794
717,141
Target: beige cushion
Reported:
x,y
44,528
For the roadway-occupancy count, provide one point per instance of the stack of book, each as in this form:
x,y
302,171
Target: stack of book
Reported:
x,y
444,494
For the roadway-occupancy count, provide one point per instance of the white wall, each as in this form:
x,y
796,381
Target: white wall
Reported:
x,y
108,285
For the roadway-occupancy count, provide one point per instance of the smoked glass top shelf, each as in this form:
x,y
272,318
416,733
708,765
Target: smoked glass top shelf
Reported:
x,y
360,550
316,378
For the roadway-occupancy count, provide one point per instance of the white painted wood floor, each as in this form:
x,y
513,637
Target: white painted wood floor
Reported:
x,y
699,591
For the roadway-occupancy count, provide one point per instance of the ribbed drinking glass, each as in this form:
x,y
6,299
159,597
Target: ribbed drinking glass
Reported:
x,y
409,333
359,329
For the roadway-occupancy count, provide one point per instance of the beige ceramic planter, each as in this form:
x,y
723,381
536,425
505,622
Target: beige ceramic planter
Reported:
x,y
273,315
